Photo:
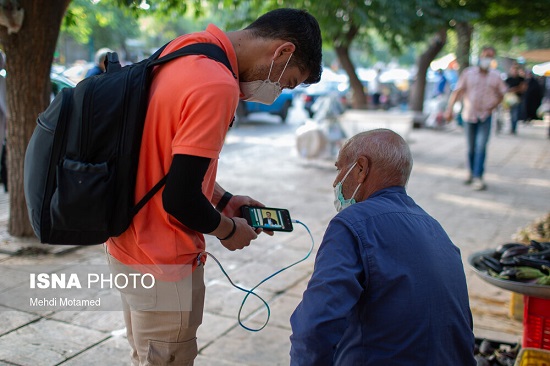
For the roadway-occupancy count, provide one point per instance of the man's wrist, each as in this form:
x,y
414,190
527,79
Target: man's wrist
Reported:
x,y
230,233
223,201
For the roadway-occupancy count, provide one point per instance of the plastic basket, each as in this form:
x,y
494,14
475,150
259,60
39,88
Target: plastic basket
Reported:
x,y
536,323
533,357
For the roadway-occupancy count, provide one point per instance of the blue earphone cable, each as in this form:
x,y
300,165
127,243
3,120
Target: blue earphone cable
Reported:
x,y
251,291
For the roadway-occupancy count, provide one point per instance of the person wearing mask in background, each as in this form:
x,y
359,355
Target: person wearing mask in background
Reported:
x,y
388,286
516,87
192,102
99,65
481,90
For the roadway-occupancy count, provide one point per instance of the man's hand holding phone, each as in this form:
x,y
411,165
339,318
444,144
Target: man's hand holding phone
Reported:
x,y
242,235
233,209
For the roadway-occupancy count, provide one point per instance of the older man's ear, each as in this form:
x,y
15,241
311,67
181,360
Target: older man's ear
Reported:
x,y
364,167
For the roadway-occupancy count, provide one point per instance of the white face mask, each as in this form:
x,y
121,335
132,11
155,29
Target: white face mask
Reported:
x,y
339,201
485,62
265,91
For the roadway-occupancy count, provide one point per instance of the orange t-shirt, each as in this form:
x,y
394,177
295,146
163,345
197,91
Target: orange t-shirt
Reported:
x,y
192,101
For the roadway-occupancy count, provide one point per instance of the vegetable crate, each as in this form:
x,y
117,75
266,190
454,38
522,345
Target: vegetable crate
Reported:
x,y
533,357
536,323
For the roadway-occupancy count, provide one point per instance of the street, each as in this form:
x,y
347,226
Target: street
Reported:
x,y
260,160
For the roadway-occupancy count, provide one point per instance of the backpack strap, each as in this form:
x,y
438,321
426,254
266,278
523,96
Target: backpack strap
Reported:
x,y
149,195
209,50
58,146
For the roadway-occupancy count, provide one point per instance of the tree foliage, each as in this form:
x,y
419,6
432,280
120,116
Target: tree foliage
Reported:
x,y
103,23
504,23
347,25
511,17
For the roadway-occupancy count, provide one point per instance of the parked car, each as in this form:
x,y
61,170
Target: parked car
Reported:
x,y
78,71
310,93
394,85
59,82
280,106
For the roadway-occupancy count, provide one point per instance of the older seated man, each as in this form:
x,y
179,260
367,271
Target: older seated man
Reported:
x,y
388,286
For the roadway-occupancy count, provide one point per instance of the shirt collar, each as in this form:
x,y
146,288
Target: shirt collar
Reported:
x,y
226,45
392,189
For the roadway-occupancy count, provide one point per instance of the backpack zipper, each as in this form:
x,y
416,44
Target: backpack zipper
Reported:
x,y
124,116
86,120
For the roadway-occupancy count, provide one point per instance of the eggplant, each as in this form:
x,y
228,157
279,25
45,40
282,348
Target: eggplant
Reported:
x,y
545,255
508,261
491,263
521,273
540,245
487,347
526,260
481,361
503,247
508,273
514,251
505,358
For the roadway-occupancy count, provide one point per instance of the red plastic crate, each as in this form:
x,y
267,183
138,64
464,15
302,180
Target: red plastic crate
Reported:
x,y
536,323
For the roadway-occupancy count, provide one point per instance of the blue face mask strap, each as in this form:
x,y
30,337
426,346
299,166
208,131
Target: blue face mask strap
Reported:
x,y
251,291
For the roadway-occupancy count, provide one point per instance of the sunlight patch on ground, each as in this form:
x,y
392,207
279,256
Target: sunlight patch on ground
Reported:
x,y
260,140
493,178
486,205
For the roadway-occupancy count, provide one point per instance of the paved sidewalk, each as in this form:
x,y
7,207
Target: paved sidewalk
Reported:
x,y
518,178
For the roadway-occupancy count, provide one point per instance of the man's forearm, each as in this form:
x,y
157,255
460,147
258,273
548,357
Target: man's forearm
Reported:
x,y
497,103
218,193
452,101
220,197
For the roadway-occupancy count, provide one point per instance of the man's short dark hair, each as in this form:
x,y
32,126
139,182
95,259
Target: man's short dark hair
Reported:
x,y
300,28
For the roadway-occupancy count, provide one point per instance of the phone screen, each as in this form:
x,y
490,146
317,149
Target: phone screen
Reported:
x,y
269,218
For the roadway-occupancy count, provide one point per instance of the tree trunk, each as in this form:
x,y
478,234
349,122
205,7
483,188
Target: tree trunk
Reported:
x,y
464,32
28,62
418,89
358,96
341,47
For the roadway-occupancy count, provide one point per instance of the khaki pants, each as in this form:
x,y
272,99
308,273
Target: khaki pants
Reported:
x,y
163,337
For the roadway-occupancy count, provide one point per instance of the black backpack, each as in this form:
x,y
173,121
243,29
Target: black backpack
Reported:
x,y
81,161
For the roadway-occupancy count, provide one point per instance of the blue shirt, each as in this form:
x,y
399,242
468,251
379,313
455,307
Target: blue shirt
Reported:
x,y
96,70
388,288
441,84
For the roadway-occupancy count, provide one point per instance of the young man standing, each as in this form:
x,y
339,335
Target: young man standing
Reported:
x,y
192,102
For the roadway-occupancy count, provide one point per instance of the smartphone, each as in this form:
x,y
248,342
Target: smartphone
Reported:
x,y
268,218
